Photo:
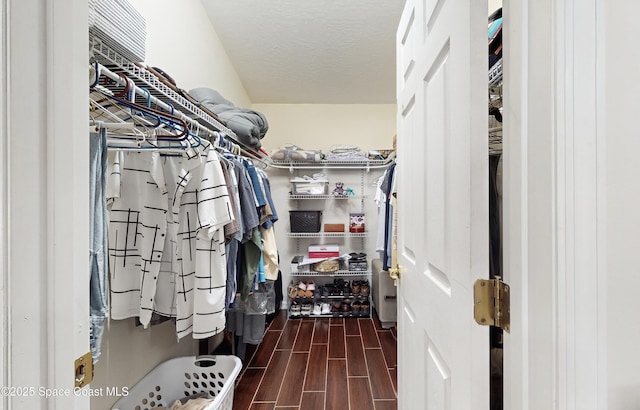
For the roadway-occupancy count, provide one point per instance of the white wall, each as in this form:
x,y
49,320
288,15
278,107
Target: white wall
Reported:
x,y
181,41
623,202
319,126
494,5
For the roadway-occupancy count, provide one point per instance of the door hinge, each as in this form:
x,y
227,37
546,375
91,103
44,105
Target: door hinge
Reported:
x,y
394,273
492,303
83,370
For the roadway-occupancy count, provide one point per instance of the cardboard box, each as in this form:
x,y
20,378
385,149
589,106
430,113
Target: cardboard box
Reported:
x,y
324,251
356,222
334,227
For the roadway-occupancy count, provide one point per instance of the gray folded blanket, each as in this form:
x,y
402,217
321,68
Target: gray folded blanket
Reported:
x,y
250,126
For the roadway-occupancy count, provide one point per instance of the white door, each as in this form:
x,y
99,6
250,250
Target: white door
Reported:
x,y
442,203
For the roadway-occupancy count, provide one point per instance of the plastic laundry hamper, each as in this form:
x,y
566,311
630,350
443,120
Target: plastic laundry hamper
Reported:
x,y
184,376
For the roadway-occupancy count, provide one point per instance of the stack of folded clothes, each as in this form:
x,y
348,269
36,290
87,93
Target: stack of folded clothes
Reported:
x,y
292,152
346,153
250,126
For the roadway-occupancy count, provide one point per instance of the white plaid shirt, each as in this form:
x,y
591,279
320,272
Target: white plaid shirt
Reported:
x,y
166,245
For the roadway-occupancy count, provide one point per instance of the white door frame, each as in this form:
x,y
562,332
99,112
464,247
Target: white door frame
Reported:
x,y
3,200
554,250
44,201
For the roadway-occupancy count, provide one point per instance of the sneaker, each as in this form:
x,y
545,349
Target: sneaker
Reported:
x,y
317,309
305,310
294,310
326,309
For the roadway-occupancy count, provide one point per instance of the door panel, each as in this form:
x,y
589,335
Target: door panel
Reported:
x,y
442,206
438,379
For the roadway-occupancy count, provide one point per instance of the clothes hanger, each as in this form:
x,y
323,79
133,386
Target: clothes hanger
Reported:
x,y
175,123
135,139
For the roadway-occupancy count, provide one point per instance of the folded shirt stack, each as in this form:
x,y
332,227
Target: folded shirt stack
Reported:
x,y
346,153
120,26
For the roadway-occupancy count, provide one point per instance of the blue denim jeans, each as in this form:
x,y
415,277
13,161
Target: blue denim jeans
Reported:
x,y
98,240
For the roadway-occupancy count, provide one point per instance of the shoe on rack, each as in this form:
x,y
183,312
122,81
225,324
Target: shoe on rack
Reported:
x,y
335,308
292,291
294,309
364,288
310,288
347,288
325,309
365,308
305,310
302,289
355,287
346,307
317,309
355,308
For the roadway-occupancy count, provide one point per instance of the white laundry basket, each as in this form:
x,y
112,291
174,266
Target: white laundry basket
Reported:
x,y
185,376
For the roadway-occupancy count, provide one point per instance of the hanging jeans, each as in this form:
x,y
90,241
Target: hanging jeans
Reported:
x,y
98,240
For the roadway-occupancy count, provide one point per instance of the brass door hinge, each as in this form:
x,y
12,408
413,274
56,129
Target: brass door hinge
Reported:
x,y
394,273
83,370
492,303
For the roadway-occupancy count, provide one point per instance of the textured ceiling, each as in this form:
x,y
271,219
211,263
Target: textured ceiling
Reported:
x,y
311,51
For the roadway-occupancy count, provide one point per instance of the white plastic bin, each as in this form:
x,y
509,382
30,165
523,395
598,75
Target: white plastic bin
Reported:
x,y
309,187
184,376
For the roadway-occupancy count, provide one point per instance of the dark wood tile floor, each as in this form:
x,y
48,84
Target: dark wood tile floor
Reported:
x,y
320,363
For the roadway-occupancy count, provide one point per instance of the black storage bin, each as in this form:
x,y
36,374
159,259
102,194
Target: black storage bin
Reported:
x,y
305,221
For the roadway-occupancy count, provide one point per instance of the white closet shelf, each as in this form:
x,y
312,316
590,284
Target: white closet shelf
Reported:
x,y
292,196
367,164
337,273
328,235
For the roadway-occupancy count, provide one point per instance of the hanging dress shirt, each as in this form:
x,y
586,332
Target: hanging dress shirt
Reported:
x,y
166,242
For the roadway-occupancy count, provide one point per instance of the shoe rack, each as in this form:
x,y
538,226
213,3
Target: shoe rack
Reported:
x,y
345,292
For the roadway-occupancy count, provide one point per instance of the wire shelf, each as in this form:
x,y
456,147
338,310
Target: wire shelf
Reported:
x,y
337,273
328,235
144,79
292,196
366,164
